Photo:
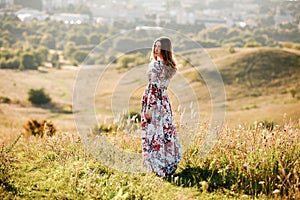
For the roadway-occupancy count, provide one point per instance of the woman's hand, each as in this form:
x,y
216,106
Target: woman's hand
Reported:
x,y
148,115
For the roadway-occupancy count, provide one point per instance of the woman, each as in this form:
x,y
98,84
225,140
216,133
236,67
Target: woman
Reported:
x,y
161,150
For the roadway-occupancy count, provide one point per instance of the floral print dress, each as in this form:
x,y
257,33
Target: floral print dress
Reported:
x,y
160,146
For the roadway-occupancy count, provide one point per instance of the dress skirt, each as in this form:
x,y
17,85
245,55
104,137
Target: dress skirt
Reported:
x,y
160,145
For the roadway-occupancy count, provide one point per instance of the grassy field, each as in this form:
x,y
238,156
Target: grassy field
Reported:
x,y
257,156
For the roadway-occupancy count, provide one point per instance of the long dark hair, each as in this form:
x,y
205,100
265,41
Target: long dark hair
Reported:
x,y
166,51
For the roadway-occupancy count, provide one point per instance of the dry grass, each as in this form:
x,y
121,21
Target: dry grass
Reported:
x,y
249,161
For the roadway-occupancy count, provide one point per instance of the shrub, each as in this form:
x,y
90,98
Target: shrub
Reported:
x,y
48,41
131,60
12,63
6,54
40,128
134,116
253,44
125,60
28,61
79,39
296,46
94,39
55,60
288,45
69,50
103,128
4,100
43,53
38,96
293,92
231,49
79,55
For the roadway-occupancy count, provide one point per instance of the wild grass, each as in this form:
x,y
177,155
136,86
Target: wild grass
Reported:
x,y
260,160
252,161
248,162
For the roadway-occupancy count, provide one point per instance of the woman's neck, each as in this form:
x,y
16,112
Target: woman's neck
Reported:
x,y
159,58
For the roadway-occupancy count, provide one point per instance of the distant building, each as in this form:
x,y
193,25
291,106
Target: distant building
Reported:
x,y
71,18
30,15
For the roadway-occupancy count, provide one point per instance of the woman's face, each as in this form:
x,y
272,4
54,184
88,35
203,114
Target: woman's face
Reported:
x,y
157,49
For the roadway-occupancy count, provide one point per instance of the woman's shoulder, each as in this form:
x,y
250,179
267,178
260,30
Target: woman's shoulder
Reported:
x,y
155,65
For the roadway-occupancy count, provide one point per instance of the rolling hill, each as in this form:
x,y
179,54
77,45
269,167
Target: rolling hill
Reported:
x,y
263,67
260,83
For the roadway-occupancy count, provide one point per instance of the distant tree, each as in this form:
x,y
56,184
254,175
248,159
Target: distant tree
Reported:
x,y
34,40
44,53
231,49
94,39
41,55
79,39
11,63
14,63
79,55
48,41
6,54
131,60
125,61
124,44
69,50
253,44
28,61
214,33
262,39
38,58
293,92
233,33
55,60
38,97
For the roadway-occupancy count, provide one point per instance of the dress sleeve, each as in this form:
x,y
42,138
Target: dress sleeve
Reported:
x,y
153,85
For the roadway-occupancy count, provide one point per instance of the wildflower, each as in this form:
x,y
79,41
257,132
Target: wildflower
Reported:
x,y
176,179
276,191
204,185
246,165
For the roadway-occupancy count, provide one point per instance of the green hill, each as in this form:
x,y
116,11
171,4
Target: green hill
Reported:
x,y
260,83
263,67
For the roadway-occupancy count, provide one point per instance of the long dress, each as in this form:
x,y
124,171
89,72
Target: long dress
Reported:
x,y
160,147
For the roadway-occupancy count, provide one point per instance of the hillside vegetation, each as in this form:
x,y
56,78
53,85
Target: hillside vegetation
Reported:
x,y
261,68
257,80
257,155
